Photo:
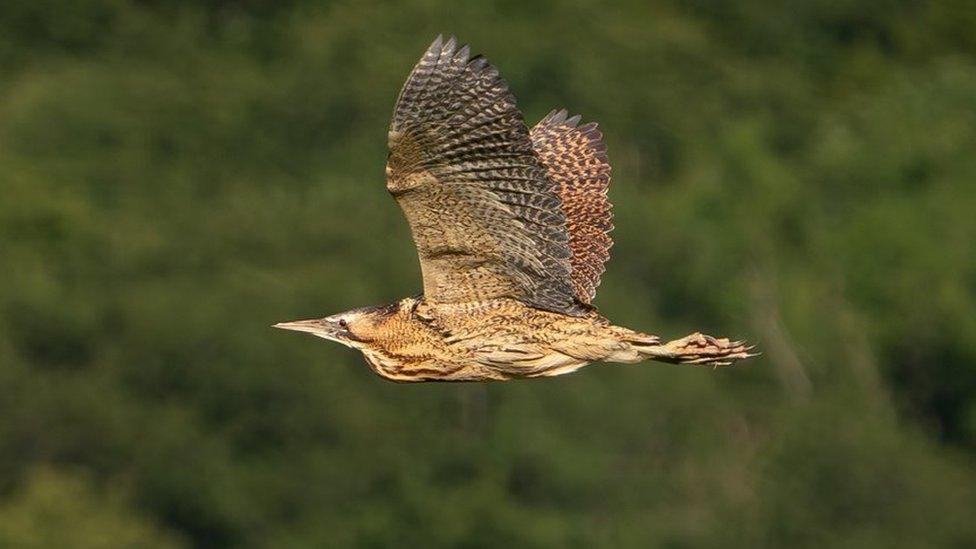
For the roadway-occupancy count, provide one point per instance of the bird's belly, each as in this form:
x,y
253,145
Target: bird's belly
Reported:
x,y
466,366
432,370
535,362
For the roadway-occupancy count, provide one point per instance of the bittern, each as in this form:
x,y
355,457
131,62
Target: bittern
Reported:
x,y
511,226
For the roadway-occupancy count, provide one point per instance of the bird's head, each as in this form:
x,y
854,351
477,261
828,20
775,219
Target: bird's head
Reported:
x,y
355,328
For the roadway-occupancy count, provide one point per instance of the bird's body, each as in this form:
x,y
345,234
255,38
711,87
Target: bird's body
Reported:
x,y
497,339
511,226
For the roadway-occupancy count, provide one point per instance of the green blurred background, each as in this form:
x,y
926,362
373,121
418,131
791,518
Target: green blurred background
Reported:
x,y
177,176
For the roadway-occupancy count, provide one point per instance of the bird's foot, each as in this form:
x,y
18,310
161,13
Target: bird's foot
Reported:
x,y
704,349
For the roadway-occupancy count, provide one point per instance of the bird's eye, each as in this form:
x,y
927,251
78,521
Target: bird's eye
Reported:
x,y
343,323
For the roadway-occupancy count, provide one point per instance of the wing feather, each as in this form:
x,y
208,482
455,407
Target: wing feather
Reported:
x,y
576,160
486,219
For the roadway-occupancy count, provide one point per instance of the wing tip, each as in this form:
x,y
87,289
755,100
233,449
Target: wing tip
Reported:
x,y
435,47
457,51
562,120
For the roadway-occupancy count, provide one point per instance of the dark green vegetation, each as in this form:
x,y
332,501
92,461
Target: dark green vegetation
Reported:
x,y
175,177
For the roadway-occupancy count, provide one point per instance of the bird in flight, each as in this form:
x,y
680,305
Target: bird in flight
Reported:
x,y
511,226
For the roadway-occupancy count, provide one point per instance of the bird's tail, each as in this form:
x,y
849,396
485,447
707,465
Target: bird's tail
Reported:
x,y
692,349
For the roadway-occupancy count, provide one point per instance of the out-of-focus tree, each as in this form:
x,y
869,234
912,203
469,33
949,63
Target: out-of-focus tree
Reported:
x,y
57,509
177,176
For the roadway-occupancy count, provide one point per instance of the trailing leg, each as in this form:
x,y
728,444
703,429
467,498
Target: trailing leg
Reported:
x,y
698,348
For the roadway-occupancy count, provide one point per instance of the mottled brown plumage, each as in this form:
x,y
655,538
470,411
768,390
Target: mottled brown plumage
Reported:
x,y
575,159
511,228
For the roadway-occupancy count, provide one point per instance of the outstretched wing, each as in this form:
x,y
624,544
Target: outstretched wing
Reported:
x,y
486,220
576,160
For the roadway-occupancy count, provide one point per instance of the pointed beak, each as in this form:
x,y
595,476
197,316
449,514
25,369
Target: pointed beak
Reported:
x,y
315,326
326,328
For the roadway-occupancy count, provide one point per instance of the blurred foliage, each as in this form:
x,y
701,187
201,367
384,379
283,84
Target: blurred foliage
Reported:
x,y
177,176
55,509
